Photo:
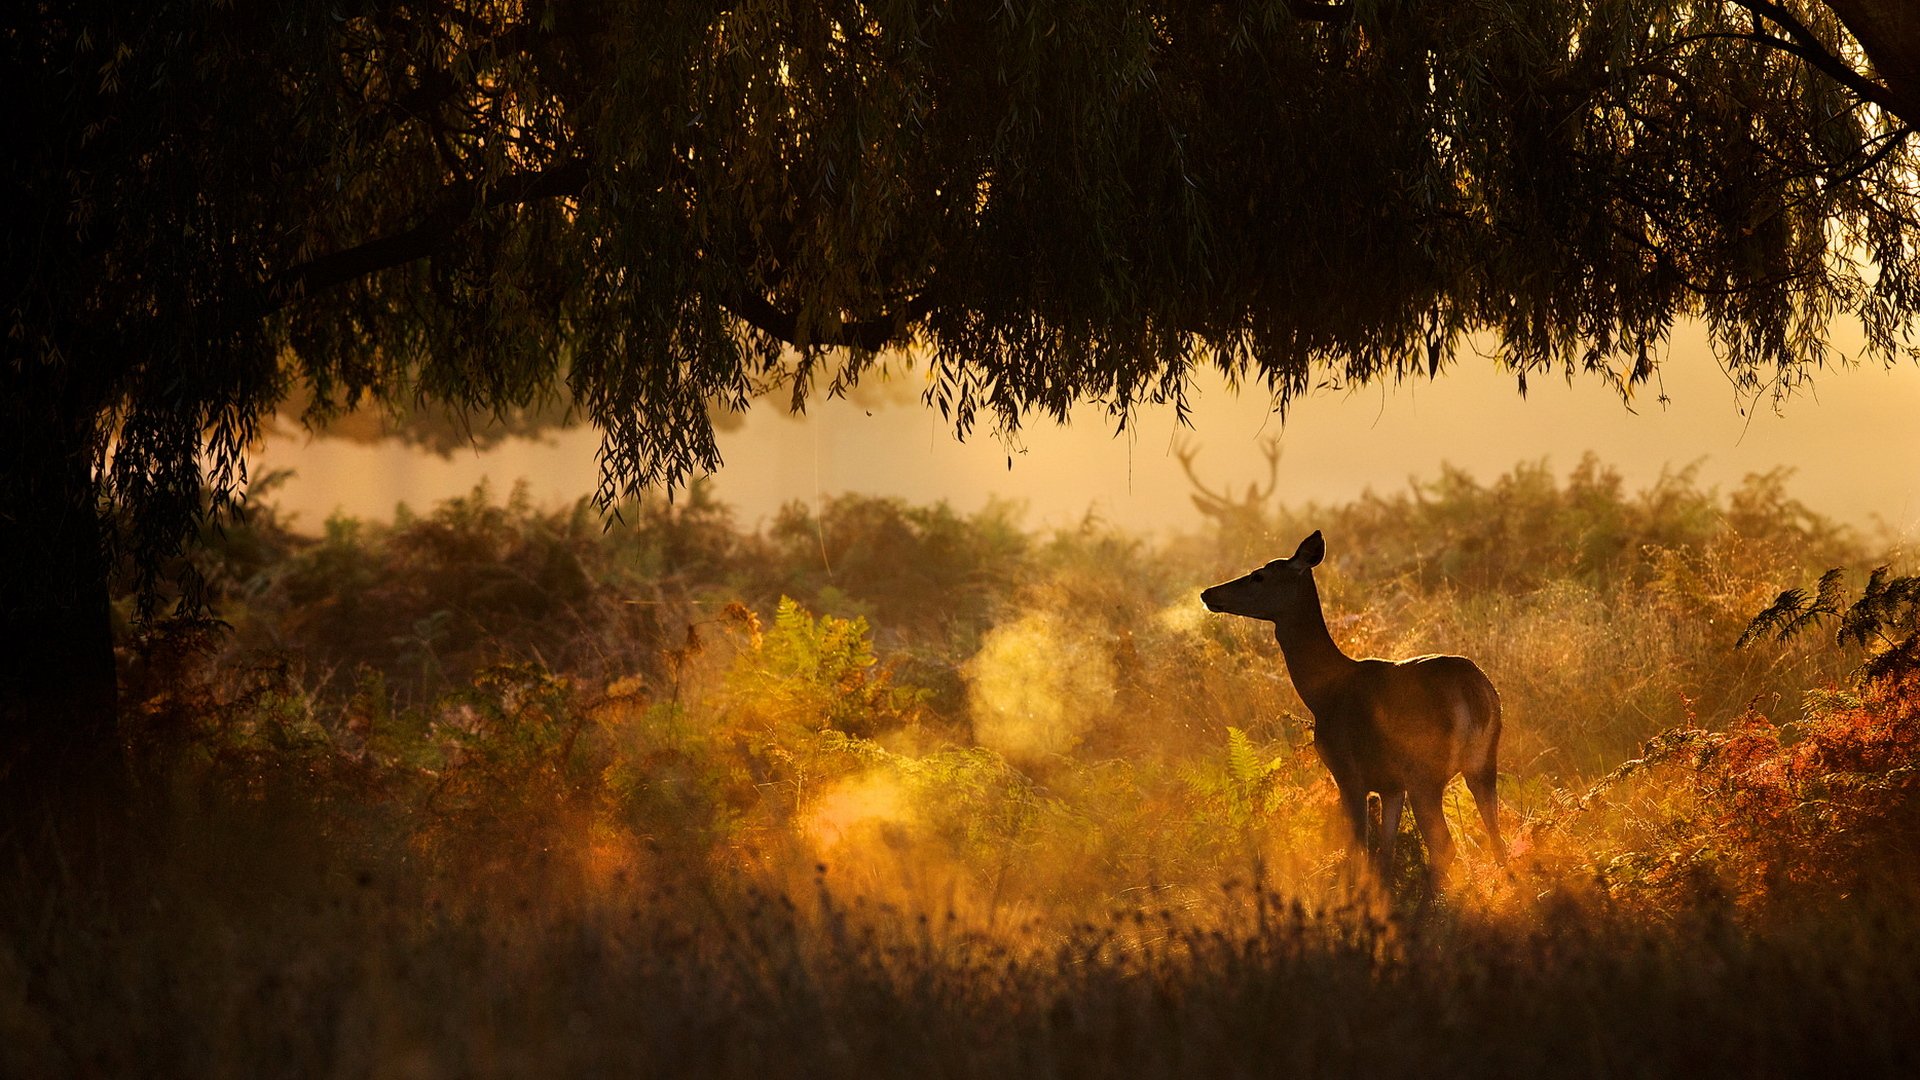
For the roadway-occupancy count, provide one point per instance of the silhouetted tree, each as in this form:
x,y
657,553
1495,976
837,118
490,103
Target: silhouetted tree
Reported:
x,y
654,206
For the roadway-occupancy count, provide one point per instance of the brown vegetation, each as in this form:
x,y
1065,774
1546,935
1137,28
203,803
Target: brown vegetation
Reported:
x,y
891,789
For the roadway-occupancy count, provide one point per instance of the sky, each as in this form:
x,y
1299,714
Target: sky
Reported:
x,y
1851,440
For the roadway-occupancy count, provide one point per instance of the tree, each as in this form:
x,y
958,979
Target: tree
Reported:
x,y
484,202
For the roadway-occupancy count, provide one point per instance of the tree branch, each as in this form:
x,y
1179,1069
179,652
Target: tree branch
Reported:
x,y
1806,45
1889,33
1319,11
424,239
435,231
868,335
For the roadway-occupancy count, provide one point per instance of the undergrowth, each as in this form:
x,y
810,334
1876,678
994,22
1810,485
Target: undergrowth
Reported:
x,y
882,788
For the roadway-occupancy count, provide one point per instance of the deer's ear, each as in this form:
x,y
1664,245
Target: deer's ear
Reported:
x,y
1312,550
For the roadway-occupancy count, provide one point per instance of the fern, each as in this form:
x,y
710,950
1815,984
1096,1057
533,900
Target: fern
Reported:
x,y
1242,783
1884,620
1244,772
1794,611
818,674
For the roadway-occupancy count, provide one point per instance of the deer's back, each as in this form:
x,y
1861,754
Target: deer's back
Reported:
x,y
1399,724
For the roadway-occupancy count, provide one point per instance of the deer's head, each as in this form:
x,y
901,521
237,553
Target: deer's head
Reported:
x,y
1274,591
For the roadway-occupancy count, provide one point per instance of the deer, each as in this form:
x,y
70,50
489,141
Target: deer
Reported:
x,y
1401,729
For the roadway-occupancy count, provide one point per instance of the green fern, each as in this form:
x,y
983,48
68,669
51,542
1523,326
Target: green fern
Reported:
x,y
819,674
1241,784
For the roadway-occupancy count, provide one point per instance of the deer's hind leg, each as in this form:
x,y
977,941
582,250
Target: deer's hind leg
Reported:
x,y
1432,820
1484,783
1483,768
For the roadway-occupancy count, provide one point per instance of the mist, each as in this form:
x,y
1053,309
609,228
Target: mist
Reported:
x,y
1336,444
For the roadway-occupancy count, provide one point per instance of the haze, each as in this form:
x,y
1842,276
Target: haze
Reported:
x,y
1848,441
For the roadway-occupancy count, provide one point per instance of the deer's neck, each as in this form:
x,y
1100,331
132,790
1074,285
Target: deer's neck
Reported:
x,y
1314,662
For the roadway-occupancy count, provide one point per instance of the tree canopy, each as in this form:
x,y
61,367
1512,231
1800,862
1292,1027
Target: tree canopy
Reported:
x,y
651,207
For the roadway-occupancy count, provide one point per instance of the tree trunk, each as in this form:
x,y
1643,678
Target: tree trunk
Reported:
x,y
57,673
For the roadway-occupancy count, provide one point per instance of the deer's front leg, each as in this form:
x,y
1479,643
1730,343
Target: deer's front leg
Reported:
x,y
1390,803
1353,805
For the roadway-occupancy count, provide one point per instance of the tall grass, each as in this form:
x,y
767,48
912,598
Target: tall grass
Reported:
x,y
893,789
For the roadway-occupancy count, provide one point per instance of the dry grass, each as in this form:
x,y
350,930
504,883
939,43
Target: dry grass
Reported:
x,y
444,803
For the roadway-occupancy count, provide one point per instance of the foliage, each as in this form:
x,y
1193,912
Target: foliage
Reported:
x,y
1825,804
746,839
320,958
1072,698
494,206
887,560
1241,784
421,600
431,599
1885,619
1766,814
817,675
433,427
1252,805
1530,527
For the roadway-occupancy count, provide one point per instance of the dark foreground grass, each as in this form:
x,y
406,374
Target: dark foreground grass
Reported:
x,y
245,939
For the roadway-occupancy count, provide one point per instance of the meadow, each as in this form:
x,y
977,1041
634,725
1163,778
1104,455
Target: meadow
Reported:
x,y
886,789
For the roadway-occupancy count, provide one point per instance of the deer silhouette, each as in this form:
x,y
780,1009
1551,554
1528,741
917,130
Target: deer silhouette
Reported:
x,y
1401,728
